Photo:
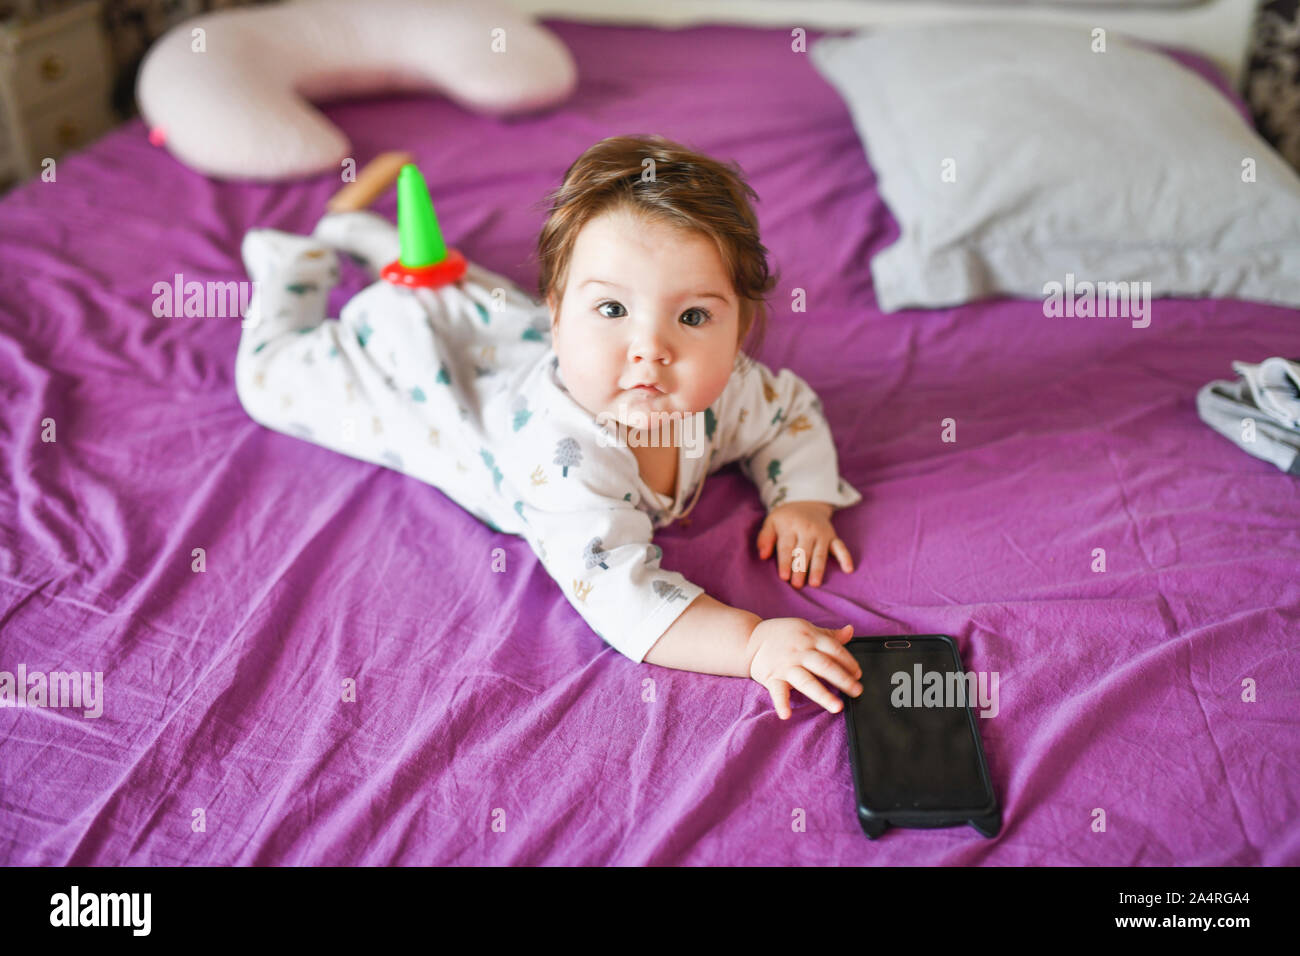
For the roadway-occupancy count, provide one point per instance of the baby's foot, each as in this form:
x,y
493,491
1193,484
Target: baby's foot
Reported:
x,y
366,236
290,259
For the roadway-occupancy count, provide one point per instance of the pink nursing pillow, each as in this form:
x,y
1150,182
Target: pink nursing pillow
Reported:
x,y
240,107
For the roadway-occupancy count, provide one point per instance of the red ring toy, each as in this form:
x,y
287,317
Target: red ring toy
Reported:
x,y
426,277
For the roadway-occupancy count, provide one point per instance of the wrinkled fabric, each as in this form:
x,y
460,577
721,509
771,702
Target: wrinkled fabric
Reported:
x,y
355,670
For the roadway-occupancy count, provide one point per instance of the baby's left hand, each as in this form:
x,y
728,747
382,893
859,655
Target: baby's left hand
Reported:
x,y
806,525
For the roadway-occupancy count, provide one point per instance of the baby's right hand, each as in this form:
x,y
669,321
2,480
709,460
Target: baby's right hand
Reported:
x,y
786,652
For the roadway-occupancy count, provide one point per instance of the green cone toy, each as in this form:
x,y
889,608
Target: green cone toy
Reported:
x,y
425,260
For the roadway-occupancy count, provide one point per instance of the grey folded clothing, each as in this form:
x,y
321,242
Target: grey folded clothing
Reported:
x,y
1269,393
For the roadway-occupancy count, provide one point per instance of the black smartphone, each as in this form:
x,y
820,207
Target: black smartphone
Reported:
x,y
914,743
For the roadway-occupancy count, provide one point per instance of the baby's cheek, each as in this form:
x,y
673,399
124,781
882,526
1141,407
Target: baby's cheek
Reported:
x,y
705,390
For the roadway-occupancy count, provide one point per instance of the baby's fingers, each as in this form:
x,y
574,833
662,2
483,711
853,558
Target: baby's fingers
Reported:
x,y
785,554
780,692
818,567
803,681
832,645
799,557
766,539
834,670
841,552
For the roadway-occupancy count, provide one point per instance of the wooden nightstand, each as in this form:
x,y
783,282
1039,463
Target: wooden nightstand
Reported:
x,y
55,78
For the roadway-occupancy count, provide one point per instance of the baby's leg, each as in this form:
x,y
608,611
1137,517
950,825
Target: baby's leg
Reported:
x,y
337,382
370,239
291,371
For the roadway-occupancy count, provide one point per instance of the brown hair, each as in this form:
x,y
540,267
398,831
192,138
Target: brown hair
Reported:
x,y
687,189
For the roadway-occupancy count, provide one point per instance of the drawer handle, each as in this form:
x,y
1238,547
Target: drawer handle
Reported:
x,y
68,133
52,67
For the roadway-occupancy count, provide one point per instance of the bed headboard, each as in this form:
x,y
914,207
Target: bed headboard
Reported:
x,y
1219,30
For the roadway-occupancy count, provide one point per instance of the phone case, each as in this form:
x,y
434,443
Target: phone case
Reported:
x,y
987,819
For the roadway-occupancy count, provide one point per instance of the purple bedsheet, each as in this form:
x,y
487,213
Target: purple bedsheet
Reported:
x,y
483,697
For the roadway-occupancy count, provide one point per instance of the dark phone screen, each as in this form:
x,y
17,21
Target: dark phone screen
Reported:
x,y
910,757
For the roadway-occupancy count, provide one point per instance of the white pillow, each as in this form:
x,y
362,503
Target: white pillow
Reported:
x,y
239,107
1109,166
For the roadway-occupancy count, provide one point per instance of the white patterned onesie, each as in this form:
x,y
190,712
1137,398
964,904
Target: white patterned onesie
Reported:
x,y
458,387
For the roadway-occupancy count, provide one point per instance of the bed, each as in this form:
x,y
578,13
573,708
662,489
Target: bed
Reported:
x,y
229,582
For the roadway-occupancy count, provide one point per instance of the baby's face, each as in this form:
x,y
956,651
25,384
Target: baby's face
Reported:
x,y
645,302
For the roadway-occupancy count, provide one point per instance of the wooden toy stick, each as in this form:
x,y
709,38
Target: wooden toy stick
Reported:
x,y
375,177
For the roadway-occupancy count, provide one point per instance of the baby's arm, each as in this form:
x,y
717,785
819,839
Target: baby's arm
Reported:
x,y
774,426
597,546
710,637
607,567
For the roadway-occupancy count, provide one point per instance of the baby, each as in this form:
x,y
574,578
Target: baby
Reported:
x,y
585,421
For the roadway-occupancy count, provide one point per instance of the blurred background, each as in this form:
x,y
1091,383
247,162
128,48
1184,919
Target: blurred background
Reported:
x,y
68,67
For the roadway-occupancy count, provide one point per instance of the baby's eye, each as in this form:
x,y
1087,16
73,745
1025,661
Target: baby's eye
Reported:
x,y
703,314
616,305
